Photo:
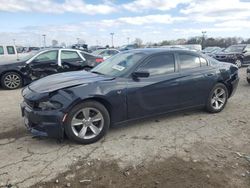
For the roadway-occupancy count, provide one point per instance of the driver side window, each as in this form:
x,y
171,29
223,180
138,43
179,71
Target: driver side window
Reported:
x,y
47,56
160,64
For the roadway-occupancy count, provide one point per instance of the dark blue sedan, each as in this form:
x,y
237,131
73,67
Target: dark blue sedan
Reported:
x,y
128,86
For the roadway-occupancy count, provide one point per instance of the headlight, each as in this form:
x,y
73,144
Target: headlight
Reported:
x,y
49,105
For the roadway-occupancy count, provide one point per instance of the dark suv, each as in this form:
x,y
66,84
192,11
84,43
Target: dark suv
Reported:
x,y
236,54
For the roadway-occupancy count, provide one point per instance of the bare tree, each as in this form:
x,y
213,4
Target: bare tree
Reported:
x,y
54,43
138,41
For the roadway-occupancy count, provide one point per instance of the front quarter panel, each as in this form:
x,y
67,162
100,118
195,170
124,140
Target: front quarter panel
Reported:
x,y
112,94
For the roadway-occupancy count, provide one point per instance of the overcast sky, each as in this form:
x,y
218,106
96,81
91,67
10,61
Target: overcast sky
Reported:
x,y
94,20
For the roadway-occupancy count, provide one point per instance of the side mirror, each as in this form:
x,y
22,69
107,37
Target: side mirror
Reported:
x,y
245,51
140,74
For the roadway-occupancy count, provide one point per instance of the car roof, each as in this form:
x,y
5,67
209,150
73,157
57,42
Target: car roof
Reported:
x,y
159,50
50,49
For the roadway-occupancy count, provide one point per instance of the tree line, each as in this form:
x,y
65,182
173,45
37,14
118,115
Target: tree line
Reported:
x,y
203,41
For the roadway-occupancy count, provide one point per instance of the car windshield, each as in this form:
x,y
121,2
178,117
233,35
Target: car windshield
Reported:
x,y
118,65
210,49
28,56
234,49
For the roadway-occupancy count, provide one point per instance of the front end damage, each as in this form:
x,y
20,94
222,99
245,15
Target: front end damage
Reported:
x,y
45,113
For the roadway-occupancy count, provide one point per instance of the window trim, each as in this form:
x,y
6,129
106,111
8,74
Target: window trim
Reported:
x,y
145,61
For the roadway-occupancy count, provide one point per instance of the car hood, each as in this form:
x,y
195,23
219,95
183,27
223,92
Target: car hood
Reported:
x,y
64,80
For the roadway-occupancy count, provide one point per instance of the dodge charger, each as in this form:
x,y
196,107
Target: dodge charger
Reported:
x,y
130,85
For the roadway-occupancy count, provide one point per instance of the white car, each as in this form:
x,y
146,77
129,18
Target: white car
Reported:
x,y
106,53
9,53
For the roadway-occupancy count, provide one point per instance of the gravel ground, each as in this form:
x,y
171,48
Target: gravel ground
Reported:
x,y
185,149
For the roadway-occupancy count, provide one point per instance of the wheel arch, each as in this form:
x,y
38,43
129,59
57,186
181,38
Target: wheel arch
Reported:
x,y
101,100
228,86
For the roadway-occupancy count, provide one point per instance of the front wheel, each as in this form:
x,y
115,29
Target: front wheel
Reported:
x,y
11,80
248,80
87,122
217,99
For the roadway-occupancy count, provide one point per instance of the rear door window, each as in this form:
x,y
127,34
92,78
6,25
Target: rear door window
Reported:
x,y
10,50
188,61
69,56
1,50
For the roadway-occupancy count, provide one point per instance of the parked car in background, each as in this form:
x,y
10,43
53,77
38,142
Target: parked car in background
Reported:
x,y
46,62
129,47
94,48
83,47
106,53
132,85
8,53
236,54
210,51
248,74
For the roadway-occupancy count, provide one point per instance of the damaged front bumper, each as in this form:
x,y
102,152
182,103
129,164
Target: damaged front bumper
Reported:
x,y
43,123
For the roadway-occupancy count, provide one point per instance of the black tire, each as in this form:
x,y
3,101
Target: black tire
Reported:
x,y
209,106
88,104
8,85
248,80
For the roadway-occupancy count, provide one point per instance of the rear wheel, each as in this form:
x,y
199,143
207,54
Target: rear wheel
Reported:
x,y
87,122
11,80
248,80
217,99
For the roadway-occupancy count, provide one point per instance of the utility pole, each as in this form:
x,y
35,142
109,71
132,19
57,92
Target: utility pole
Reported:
x,y
44,40
112,39
203,39
128,39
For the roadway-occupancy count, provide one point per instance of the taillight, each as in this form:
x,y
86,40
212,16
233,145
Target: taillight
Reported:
x,y
99,60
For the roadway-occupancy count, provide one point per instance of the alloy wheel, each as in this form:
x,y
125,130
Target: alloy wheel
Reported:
x,y
12,81
219,98
87,123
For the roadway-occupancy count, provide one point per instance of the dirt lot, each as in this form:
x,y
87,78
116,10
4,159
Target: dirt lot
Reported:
x,y
186,149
